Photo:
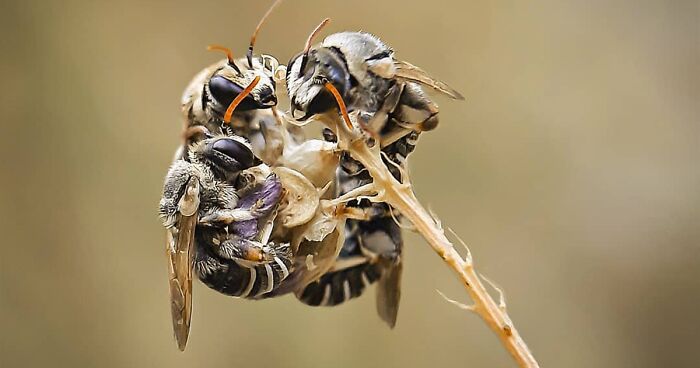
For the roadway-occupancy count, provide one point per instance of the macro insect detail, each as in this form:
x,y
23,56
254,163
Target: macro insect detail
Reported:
x,y
214,216
218,197
392,110
256,209
208,99
230,214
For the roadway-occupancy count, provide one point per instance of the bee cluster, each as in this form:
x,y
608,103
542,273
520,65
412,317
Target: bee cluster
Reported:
x,y
256,208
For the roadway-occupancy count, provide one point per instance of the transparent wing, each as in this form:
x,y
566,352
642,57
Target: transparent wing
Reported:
x,y
180,249
413,73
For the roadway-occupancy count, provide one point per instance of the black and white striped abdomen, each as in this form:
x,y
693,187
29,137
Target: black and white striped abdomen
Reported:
x,y
239,279
337,287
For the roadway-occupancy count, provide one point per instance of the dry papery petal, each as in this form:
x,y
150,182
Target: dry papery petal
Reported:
x,y
322,224
317,160
301,199
317,257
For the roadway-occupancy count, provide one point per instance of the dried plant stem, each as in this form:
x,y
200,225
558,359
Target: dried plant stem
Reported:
x,y
401,197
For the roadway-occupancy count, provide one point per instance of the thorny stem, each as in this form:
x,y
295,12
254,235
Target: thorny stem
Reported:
x,y
401,197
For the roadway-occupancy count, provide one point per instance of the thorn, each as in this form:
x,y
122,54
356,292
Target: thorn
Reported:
x,y
471,308
402,170
438,223
468,258
508,330
288,117
325,188
501,295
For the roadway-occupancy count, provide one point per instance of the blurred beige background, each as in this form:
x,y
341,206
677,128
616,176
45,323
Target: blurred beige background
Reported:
x,y
571,170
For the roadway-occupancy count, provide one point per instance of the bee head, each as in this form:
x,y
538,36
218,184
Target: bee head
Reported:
x,y
225,156
229,81
307,74
351,61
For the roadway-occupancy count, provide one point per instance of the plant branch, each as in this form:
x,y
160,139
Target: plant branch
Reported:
x,y
401,197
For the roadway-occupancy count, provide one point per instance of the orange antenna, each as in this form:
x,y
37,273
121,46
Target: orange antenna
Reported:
x,y
239,98
305,54
249,55
229,55
339,99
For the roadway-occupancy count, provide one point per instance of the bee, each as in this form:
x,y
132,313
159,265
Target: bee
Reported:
x,y
387,94
208,98
211,208
215,217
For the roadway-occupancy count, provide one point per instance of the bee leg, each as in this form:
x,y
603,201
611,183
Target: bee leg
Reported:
x,y
263,198
222,217
176,181
238,276
414,114
376,123
416,110
246,251
259,202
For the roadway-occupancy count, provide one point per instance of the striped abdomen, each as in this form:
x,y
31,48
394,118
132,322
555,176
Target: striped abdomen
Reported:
x,y
238,277
337,287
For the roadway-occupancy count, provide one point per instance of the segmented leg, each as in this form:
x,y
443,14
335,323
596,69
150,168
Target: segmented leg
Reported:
x,y
239,277
230,258
257,202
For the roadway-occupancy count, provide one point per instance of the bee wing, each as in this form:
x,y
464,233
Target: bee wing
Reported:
x,y
389,293
408,71
180,249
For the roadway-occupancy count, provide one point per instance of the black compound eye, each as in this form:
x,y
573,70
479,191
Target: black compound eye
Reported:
x,y
323,102
235,150
224,91
335,67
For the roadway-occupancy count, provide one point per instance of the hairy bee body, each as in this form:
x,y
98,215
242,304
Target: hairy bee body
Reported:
x,y
237,277
393,110
220,203
231,255
206,98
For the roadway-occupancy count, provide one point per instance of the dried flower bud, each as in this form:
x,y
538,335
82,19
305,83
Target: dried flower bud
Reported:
x,y
317,160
